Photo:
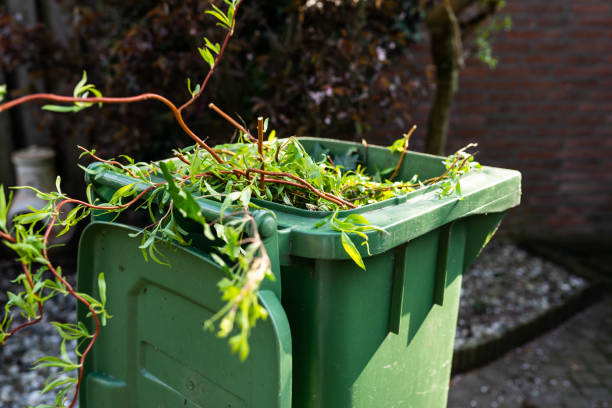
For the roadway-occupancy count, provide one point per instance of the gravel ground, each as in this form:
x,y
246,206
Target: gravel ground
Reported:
x,y
504,285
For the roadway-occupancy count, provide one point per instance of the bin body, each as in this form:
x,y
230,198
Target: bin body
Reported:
x,y
379,337
382,337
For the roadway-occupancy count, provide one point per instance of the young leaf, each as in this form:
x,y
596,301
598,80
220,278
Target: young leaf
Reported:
x,y
351,250
195,91
79,86
220,15
323,222
208,57
58,382
102,288
89,194
245,197
357,219
4,207
272,136
58,108
81,90
122,192
214,47
58,180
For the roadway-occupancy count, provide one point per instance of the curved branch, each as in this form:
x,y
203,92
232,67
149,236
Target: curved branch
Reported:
x,y
114,100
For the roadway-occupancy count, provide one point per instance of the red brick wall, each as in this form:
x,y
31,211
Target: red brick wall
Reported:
x,y
546,110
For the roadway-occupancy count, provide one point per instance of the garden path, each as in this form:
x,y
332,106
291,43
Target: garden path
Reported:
x,y
570,366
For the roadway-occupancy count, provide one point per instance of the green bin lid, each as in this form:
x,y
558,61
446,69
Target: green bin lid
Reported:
x,y
154,351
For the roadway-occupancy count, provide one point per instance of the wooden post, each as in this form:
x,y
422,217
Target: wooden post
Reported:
x,y
26,128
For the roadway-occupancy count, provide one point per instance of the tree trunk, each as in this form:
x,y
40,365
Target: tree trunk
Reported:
x,y
444,46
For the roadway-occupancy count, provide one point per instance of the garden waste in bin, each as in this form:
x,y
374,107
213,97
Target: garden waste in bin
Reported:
x,y
336,337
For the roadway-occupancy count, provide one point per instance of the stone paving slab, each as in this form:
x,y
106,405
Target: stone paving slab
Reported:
x,y
569,367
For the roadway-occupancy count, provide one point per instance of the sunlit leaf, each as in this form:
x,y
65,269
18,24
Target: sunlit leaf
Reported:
x,y
351,250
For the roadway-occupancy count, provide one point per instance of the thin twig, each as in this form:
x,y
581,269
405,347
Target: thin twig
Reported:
x,y
182,158
406,142
260,133
111,162
233,122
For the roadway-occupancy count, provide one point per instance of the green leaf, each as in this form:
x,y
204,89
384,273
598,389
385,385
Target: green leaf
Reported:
x,y
58,382
183,200
57,184
287,200
218,260
70,331
49,361
348,160
81,90
245,197
229,199
58,108
4,207
220,15
16,300
195,91
2,92
208,232
122,192
272,136
214,47
208,57
102,287
79,86
89,194
30,218
357,219
351,250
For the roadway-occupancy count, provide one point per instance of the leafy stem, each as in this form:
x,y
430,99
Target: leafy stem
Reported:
x,y
229,20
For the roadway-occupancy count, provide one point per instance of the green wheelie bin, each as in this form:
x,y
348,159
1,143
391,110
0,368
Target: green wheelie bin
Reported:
x,y
337,336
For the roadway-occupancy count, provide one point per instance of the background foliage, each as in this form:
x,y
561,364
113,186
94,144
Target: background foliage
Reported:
x,y
314,67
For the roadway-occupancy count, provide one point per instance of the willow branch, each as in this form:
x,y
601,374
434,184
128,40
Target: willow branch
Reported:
x,y
115,100
7,237
212,69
